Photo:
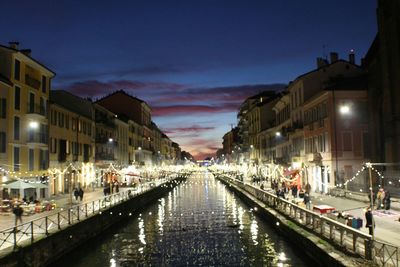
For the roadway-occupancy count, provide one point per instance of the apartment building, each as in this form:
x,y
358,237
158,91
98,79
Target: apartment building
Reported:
x,y
72,142
24,113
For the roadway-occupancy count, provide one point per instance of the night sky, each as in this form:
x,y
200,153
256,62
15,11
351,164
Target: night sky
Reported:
x,y
193,62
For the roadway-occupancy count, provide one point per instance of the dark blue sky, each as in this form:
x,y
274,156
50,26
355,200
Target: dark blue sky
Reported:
x,y
192,61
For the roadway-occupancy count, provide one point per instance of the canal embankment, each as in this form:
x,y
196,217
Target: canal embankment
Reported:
x,y
43,241
319,238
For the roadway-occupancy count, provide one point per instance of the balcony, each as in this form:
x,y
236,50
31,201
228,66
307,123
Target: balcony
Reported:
x,y
102,139
32,82
36,110
104,156
37,138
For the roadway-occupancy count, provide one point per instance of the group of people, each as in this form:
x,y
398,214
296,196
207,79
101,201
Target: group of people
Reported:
x,y
382,199
78,193
110,187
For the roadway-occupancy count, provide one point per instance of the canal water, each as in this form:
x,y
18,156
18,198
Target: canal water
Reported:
x,y
199,223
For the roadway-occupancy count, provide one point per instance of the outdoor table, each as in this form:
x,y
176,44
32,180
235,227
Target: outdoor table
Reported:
x,y
323,209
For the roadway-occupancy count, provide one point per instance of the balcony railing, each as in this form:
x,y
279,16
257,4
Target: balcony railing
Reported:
x,y
104,156
32,82
36,109
38,138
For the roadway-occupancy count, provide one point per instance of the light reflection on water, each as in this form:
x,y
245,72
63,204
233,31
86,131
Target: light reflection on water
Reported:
x,y
199,223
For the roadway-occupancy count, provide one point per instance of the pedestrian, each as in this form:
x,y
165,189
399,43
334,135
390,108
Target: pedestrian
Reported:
x,y
76,193
370,222
307,201
80,194
308,188
387,200
262,186
379,197
116,187
18,211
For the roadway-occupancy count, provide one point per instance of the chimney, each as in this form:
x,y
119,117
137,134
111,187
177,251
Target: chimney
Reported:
x,y
26,52
352,57
14,45
334,57
321,62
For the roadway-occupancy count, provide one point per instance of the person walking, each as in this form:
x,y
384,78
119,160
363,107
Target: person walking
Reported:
x,y
76,193
370,222
18,211
80,194
379,197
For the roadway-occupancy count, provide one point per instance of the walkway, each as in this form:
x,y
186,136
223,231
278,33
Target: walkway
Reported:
x,y
7,220
387,223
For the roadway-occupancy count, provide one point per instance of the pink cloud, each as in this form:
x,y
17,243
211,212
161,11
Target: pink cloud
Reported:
x,y
193,109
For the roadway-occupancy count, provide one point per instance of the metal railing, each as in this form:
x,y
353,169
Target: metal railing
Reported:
x,y
27,233
347,238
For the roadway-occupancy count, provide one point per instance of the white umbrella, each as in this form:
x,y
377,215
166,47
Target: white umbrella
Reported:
x,y
20,185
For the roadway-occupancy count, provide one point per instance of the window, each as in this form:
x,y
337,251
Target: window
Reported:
x,y
67,121
53,145
73,124
16,158
2,142
347,142
43,159
16,128
31,102
43,110
3,108
17,98
89,129
31,159
17,69
44,84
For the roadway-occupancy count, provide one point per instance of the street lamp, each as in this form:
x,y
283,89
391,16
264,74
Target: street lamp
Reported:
x,y
344,110
33,125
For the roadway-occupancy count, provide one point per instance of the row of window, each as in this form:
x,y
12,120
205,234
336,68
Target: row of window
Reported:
x,y
316,113
283,115
17,75
43,161
65,146
317,143
63,121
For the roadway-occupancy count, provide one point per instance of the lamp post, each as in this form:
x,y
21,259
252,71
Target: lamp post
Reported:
x,y
369,166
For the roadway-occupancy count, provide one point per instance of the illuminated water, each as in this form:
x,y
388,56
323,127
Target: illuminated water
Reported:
x,y
200,223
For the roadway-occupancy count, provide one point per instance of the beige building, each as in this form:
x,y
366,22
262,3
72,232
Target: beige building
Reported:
x,y
26,107
72,143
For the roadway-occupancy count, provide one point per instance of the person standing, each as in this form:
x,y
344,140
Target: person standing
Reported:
x,y
307,201
370,223
387,200
18,211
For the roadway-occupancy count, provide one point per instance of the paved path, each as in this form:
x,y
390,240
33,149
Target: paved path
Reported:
x,y
7,220
387,222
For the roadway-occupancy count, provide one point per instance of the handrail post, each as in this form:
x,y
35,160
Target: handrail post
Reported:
x,y
46,224
69,216
58,221
77,214
368,249
15,237
86,210
31,231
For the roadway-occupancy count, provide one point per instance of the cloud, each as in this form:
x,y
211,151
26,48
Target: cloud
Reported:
x,y
94,88
190,129
192,109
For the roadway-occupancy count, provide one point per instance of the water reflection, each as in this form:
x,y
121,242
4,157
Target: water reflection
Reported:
x,y
199,223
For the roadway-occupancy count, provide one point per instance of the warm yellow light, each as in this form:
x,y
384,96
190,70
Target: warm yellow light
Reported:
x,y
33,124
